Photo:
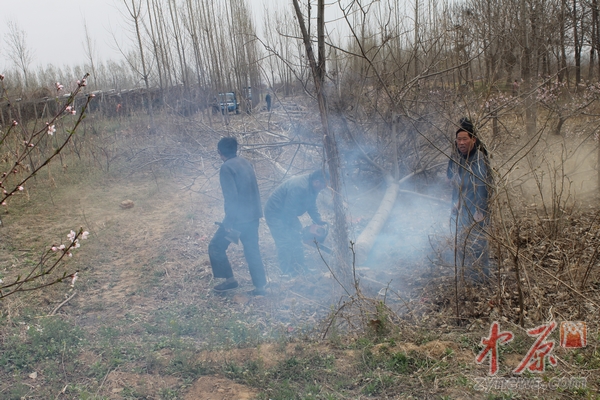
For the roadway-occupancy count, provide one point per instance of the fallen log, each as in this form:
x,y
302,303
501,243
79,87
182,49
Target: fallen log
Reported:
x,y
367,237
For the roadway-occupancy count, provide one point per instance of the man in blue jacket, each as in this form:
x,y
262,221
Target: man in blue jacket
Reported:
x,y
242,214
290,200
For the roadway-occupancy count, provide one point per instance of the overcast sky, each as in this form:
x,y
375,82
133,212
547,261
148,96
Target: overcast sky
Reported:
x,y
55,31
55,28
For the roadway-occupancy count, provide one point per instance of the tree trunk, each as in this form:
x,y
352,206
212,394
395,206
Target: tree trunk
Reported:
x,y
367,237
577,44
329,142
530,108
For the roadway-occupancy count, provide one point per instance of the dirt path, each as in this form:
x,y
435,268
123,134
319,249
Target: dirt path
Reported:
x,y
152,258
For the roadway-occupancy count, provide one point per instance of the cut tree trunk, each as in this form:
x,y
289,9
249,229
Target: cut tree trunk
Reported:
x,y
366,239
364,242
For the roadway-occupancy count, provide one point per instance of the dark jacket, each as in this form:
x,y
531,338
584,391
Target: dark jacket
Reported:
x,y
240,192
293,198
472,179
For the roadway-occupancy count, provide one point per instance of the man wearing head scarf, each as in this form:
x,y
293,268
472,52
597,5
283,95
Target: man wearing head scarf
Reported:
x,y
470,173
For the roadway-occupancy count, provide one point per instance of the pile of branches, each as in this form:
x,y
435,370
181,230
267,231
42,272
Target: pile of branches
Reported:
x,y
547,270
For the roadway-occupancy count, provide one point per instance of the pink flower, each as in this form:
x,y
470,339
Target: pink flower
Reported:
x,y
51,130
73,279
21,188
54,248
61,247
84,235
59,87
15,123
71,236
4,203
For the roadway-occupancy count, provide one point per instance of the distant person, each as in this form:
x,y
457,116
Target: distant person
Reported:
x,y
515,88
470,173
268,100
242,215
293,198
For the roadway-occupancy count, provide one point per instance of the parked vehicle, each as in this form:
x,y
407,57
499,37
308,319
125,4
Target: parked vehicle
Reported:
x,y
226,103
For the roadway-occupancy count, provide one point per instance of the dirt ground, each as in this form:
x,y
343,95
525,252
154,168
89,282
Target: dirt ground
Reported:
x,y
151,253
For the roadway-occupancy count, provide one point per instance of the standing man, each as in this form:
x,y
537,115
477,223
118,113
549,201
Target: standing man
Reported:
x,y
242,215
469,171
290,200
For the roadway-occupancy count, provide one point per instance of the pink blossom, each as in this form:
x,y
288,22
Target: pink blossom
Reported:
x,y
61,247
51,130
84,235
21,188
54,248
4,203
15,123
73,279
59,87
71,236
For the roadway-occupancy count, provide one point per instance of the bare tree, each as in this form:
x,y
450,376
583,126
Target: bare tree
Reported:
x,y
90,53
18,51
329,141
134,10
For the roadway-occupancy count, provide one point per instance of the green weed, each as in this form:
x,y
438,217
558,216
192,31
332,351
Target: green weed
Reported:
x,y
308,369
378,383
51,339
185,364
